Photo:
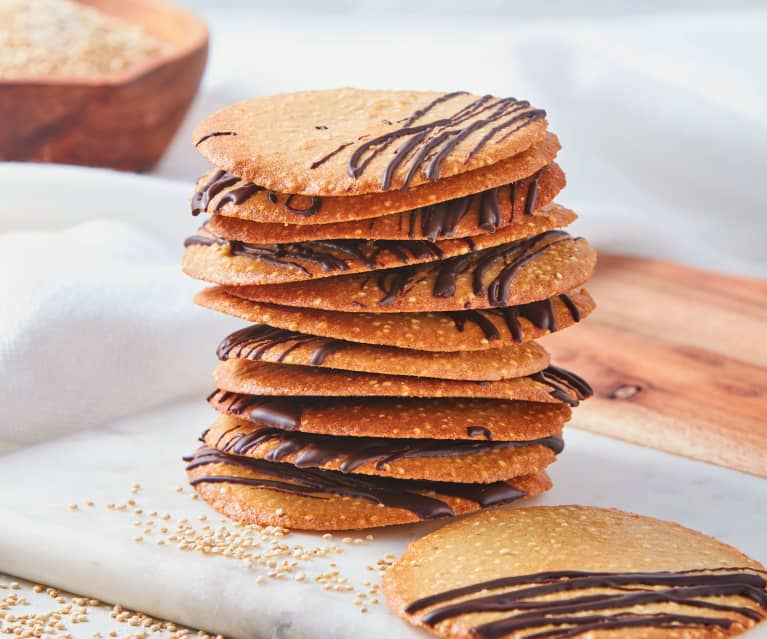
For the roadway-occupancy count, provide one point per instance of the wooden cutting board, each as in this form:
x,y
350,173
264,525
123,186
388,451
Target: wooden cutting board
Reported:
x,y
678,360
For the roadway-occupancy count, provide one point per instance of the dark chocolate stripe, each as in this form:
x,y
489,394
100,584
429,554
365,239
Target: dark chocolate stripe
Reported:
x,y
313,450
253,342
325,158
397,282
214,134
278,412
328,255
485,324
564,384
532,194
238,195
427,145
217,183
395,493
221,180
314,205
685,588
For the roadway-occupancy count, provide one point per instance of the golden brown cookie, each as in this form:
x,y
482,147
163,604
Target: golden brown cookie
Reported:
x,y
434,222
480,461
353,141
569,571
233,262
533,269
264,343
477,201
439,332
273,494
443,418
552,384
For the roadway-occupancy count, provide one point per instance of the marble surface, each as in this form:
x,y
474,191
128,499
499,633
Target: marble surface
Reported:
x,y
92,550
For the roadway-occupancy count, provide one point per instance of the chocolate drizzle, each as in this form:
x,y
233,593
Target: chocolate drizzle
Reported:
x,y
532,194
214,134
238,195
395,283
563,384
328,255
217,183
568,616
485,324
221,180
277,412
539,314
405,494
312,451
325,158
253,342
441,219
489,210
427,145
314,205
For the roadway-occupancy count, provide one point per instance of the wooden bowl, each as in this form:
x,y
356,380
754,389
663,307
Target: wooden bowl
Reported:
x,y
118,121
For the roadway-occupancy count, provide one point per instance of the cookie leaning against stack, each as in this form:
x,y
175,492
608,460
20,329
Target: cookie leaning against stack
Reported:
x,y
398,252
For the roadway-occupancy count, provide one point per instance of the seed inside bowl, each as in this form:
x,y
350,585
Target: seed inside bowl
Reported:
x,y
62,38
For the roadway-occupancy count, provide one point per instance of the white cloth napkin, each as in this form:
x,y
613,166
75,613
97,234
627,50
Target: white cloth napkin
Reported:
x,y
97,320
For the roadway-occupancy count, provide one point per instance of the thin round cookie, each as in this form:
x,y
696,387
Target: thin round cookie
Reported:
x,y
403,458
525,271
567,571
431,418
264,343
354,141
266,493
234,262
553,384
437,332
463,217
521,181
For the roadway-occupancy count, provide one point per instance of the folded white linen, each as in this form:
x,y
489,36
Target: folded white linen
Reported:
x,y
96,318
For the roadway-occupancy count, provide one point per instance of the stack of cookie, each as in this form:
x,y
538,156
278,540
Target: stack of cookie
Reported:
x,y
397,253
